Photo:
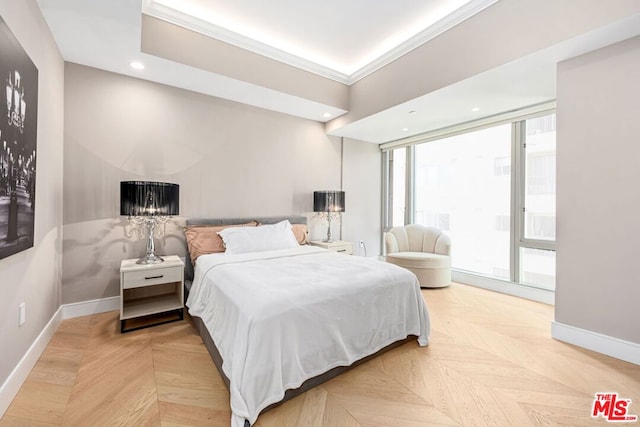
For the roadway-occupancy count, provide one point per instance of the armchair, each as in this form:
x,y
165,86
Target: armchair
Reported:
x,y
425,251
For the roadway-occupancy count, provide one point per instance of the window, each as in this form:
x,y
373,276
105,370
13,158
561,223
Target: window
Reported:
x,y
502,166
439,220
398,171
538,268
541,174
454,179
492,189
540,178
503,223
540,226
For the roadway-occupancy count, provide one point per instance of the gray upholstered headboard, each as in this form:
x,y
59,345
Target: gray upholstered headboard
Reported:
x,y
293,219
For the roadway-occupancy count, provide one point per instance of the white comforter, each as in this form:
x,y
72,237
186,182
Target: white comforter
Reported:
x,y
281,317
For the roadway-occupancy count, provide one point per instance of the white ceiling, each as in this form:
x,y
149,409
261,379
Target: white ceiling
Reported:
x,y
342,40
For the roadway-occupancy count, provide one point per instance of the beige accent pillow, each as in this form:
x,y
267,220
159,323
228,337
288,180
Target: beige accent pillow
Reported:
x,y
301,233
204,239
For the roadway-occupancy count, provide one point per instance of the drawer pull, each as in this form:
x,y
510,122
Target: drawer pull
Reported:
x,y
341,250
154,277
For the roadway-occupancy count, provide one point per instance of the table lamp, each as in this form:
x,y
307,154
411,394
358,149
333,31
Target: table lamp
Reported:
x,y
149,203
328,201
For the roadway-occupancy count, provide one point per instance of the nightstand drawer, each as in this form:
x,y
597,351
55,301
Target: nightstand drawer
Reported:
x,y
341,246
136,279
345,249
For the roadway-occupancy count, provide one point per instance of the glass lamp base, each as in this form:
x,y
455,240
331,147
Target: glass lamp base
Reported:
x,y
150,259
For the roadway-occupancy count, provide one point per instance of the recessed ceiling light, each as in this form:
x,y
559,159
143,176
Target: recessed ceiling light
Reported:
x,y
326,115
475,109
137,65
405,129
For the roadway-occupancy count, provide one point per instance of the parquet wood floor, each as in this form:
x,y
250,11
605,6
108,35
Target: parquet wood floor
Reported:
x,y
491,362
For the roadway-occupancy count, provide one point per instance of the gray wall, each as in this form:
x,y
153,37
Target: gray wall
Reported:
x,y
598,275
33,276
229,159
166,40
362,185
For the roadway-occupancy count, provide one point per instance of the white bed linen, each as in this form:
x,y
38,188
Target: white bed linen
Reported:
x,y
281,317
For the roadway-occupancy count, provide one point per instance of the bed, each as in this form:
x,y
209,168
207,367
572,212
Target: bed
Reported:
x,y
280,321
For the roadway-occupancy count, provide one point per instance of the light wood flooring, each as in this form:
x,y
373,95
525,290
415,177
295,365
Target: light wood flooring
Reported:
x,y
490,362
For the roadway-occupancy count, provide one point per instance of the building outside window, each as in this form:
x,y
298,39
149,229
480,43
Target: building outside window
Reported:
x,y
537,259
502,166
503,223
398,172
466,190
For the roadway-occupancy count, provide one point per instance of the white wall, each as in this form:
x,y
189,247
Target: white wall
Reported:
x,y
33,276
598,273
229,159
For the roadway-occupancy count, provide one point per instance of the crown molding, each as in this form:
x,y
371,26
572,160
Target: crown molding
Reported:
x,y
193,23
454,18
149,7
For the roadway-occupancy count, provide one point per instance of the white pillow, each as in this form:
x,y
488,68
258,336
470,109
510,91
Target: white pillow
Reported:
x,y
267,237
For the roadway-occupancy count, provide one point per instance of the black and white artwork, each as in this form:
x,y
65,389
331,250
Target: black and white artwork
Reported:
x,y
18,135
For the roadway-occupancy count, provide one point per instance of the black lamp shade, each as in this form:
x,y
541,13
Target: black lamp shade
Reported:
x,y
148,198
328,201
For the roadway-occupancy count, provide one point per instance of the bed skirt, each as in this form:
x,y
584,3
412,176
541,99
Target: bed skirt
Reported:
x,y
308,384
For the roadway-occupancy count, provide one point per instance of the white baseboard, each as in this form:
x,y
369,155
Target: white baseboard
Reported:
x,y
12,385
505,287
86,308
611,346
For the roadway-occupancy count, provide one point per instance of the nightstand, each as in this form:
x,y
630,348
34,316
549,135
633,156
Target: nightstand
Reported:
x,y
150,289
341,246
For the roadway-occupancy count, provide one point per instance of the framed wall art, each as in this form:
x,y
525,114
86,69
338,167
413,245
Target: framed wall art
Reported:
x,y
18,144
